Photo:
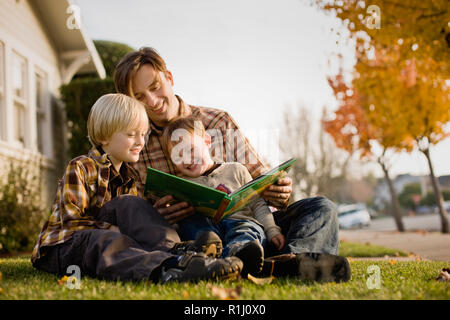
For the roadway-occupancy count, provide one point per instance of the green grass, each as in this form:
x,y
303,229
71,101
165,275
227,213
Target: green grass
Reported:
x,y
353,249
399,280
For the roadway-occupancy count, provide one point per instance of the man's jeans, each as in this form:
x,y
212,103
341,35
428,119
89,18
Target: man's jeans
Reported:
x,y
309,225
231,231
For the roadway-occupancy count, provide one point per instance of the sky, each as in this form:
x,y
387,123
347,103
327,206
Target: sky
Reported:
x,y
255,59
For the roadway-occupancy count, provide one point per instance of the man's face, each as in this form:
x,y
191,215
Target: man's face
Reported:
x,y
155,90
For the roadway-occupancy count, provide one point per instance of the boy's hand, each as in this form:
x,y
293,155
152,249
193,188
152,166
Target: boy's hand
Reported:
x,y
278,194
278,241
173,212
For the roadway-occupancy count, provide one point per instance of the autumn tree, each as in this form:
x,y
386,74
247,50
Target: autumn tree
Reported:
x,y
351,130
401,70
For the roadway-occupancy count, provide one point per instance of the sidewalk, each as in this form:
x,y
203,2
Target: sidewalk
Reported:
x,y
429,245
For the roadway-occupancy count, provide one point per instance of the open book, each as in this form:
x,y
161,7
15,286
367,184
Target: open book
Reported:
x,y
208,201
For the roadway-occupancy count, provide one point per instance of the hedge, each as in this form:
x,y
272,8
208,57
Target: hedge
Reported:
x,y
79,96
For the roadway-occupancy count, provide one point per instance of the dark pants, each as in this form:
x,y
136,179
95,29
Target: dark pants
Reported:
x,y
309,225
134,253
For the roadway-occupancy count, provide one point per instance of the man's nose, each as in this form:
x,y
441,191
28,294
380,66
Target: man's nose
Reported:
x,y
150,98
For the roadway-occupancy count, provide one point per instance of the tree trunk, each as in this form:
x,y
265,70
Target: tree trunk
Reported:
x,y
395,204
437,194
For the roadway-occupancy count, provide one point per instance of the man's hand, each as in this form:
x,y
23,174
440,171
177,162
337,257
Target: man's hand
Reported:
x,y
278,194
173,212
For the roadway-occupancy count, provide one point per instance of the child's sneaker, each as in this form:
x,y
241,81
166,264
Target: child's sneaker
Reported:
x,y
320,267
193,266
207,242
251,254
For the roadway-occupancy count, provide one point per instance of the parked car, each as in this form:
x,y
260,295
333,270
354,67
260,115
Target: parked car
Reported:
x,y
353,216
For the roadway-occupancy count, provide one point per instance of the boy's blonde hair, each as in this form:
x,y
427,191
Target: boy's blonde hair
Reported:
x,y
113,113
190,123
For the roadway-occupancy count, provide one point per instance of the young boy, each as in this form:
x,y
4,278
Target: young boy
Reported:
x,y
246,232
100,225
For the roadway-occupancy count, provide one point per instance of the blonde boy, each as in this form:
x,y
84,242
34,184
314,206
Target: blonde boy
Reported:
x,y
98,223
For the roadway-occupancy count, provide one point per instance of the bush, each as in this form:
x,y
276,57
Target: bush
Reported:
x,y
21,208
111,52
79,96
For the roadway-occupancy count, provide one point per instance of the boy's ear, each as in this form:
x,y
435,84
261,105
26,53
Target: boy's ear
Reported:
x,y
207,139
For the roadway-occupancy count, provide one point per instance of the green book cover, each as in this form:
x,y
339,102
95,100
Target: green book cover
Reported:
x,y
208,201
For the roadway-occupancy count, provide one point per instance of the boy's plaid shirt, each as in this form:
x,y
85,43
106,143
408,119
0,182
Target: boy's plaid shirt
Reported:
x,y
226,138
83,190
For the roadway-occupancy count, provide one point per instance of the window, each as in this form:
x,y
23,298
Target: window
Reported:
x,y
2,92
19,86
41,109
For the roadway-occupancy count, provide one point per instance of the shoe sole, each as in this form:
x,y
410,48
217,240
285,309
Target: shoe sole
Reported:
x,y
320,267
213,250
195,272
253,263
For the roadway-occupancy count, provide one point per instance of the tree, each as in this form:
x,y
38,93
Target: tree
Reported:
x,y
353,132
320,167
111,52
402,71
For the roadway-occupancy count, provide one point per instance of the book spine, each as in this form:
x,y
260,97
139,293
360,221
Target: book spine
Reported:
x,y
220,211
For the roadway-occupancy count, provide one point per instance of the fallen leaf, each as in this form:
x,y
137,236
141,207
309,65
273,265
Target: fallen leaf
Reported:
x,y
444,276
350,259
185,294
226,293
392,261
63,280
367,243
1,291
260,281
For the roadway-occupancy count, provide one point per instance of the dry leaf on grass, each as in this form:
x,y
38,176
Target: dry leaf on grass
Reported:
x,y
63,280
226,293
260,281
444,275
392,261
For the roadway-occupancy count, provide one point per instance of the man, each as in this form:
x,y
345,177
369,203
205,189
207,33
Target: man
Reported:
x,y
310,225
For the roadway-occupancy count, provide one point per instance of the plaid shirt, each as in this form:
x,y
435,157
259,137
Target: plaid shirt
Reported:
x,y
227,139
88,183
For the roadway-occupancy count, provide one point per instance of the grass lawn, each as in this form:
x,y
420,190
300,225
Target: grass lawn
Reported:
x,y
399,280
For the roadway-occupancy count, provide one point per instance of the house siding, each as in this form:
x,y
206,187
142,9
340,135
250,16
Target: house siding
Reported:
x,y
22,33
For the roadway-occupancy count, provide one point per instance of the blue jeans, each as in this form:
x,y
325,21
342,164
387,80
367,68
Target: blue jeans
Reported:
x,y
309,225
231,231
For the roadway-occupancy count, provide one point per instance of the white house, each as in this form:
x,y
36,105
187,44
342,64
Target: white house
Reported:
x,y
42,46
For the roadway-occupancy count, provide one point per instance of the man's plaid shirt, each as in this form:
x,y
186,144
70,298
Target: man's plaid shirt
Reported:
x,y
228,144
88,183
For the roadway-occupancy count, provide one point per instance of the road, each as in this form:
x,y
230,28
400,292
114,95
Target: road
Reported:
x,y
429,222
422,236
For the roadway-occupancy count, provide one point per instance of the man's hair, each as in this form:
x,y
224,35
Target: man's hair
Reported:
x,y
190,123
113,113
130,64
